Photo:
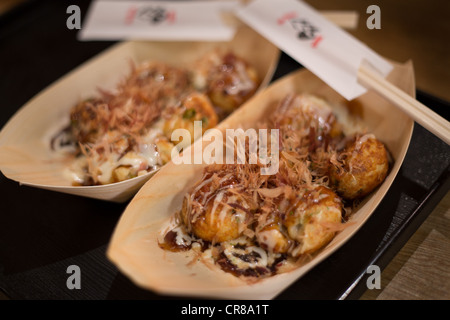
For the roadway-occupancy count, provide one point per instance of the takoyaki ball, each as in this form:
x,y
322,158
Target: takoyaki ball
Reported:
x,y
272,238
149,78
86,120
134,158
231,82
365,166
133,163
216,220
312,219
308,113
164,148
195,107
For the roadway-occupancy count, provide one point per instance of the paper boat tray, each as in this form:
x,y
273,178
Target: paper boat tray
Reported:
x,y
134,248
25,155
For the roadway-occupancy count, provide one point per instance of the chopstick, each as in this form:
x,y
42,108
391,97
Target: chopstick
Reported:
x,y
343,19
416,110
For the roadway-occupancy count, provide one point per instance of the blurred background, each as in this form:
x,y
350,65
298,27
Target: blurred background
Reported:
x,y
414,30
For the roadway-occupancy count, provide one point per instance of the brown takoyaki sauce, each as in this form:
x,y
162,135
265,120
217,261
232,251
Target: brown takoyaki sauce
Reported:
x,y
256,272
171,244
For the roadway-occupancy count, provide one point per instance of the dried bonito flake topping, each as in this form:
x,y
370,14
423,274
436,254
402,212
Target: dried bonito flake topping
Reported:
x,y
257,225
124,133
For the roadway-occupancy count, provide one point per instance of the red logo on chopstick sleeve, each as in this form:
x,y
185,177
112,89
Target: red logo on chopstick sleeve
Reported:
x,y
170,16
130,14
287,17
316,41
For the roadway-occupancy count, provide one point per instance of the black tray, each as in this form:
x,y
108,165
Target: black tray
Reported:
x,y
43,232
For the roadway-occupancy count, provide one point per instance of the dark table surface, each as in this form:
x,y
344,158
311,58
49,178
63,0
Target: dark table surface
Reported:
x,y
43,232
